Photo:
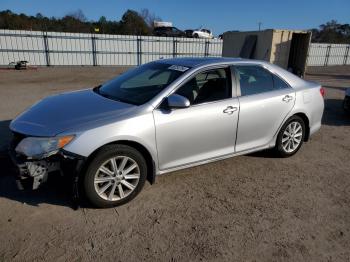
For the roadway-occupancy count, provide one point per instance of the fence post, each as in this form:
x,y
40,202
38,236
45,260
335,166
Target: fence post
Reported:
x,y
327,55
206,48
346,55
139,51
46,47
94,57
174,47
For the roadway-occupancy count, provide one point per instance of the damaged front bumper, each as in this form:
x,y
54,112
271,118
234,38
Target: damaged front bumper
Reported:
x,y
32,173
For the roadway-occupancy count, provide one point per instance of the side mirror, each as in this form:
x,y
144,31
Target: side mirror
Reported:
x,y
177,101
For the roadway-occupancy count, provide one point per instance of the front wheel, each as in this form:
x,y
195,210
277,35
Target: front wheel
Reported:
x,y
291,137
115,176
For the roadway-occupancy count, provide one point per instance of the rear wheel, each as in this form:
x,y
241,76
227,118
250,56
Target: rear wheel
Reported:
x,y
115,176
291,137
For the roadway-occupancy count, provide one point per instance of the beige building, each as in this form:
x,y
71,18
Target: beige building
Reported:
x,y
286,48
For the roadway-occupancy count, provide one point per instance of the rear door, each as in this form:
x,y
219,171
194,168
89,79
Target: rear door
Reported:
x,y
265,101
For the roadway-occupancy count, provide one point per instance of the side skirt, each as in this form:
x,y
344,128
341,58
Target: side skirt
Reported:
x,y
210,160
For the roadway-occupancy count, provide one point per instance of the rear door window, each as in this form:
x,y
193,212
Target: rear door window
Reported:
x,y
255,80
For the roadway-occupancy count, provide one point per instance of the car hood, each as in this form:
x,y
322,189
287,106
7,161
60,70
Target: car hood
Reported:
x,y
67,111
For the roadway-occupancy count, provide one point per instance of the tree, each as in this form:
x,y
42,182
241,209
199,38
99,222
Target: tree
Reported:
x,y
332,32
102,20
149,17
102,24
78,15
133,24
39,16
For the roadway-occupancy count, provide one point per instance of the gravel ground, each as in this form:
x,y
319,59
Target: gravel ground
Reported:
x,y
247,208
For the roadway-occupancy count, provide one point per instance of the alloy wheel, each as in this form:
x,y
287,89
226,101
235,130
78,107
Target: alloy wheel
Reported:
x,y
117,178
292,136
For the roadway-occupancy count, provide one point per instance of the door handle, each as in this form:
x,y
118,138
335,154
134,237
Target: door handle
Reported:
x,y
287,98
230,110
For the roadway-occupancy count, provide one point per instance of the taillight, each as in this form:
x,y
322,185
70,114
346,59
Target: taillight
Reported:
x,y
322,91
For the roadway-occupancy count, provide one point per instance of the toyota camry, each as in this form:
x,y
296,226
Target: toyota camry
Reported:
x,y
161,117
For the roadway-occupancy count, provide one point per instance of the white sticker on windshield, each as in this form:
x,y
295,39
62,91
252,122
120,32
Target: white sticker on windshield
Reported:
x,y
178,68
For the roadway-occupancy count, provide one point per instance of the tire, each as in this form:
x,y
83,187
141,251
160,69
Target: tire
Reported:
x,y
295,140
98,185
196,36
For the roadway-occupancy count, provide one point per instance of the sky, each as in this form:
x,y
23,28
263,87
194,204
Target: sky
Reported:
x,y
217,15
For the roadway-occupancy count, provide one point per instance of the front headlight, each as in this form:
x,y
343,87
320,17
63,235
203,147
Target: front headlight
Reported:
x,y
38,147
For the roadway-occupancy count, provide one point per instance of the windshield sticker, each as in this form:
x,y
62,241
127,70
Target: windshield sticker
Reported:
x,y
178,68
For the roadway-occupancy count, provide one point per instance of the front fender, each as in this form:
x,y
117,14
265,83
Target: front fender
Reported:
x,y
139,129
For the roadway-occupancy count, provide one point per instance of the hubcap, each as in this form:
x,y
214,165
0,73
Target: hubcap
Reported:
x,y
292,136
117,178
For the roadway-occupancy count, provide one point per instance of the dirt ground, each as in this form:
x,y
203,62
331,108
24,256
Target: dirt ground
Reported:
x,y
248,208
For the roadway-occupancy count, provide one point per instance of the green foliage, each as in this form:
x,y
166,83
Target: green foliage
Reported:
x,y
332,32
132,23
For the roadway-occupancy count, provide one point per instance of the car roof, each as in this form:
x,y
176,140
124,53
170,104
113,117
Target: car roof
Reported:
x,y
199,61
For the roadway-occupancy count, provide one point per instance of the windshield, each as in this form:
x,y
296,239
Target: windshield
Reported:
x,y
141,84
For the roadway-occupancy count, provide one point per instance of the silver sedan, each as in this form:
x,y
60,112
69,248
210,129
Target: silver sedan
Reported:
x,y
161,117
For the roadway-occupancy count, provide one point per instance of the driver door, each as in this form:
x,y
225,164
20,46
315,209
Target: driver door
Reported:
x,y
206,129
